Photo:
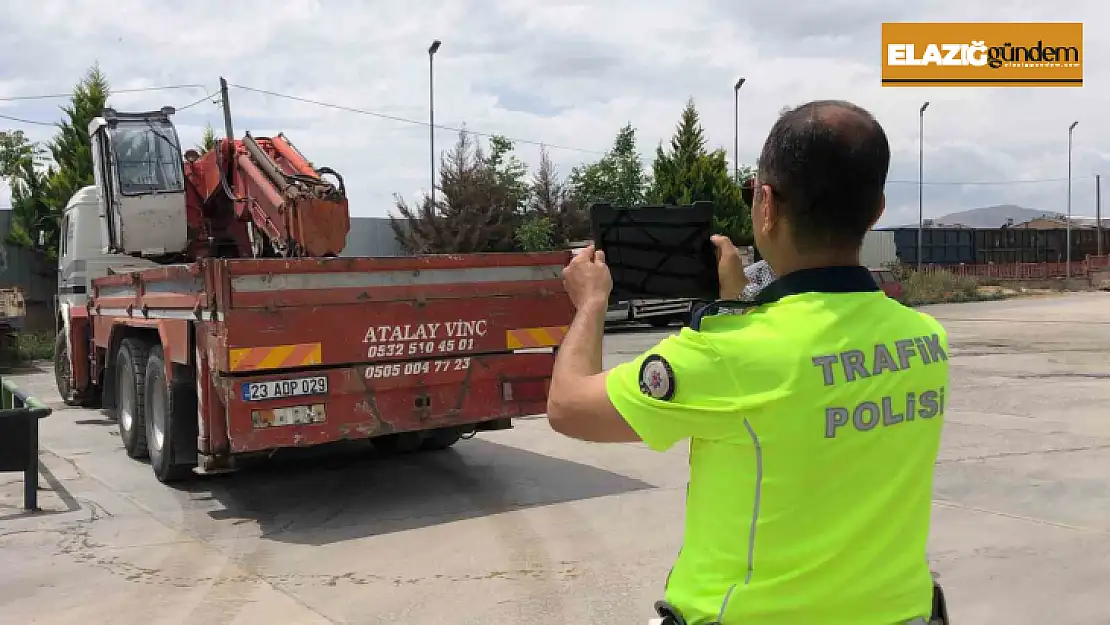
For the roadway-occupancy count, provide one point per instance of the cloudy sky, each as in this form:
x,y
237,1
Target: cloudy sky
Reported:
x,y
567,74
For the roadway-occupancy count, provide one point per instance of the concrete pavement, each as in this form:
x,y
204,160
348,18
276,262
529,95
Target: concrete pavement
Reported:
x,y
524,526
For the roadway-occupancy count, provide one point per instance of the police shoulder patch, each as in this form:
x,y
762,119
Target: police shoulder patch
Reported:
x,y
657,378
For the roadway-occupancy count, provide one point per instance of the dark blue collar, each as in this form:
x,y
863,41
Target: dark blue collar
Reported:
x,y
841,279
818,280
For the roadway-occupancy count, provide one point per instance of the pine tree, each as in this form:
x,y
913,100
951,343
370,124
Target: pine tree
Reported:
x,y
71,147
550,206
511,172
40,191
207,139
687,172
474,211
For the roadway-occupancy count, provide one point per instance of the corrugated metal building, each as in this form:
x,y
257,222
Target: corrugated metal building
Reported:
x,y
29,271
372,236
878,249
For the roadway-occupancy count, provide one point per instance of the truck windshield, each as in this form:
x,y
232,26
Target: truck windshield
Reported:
x,y
148,158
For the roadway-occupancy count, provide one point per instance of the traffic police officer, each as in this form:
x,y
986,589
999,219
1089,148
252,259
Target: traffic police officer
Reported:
x,y
814,419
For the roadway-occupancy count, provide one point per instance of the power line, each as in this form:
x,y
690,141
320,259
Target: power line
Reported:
x,y
26,121
70,95
41,123
978,182
192,104
405,120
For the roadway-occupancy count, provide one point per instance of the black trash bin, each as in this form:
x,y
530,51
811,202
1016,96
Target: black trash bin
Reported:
x,y
19,438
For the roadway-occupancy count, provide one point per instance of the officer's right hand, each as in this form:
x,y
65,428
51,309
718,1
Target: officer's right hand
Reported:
x,y
730,268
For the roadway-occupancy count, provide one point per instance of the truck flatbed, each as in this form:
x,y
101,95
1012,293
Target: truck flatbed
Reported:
x,y
297,352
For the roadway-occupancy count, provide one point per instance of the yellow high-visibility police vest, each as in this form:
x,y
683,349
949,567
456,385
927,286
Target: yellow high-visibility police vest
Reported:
x,y
815,423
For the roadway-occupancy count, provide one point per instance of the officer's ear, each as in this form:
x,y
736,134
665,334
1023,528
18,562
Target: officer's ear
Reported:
x,y
769,212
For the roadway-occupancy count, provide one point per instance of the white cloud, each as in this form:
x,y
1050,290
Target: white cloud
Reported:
x,y
564,73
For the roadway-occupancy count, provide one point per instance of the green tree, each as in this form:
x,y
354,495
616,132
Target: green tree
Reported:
x,y
550,202
474,211
207,139
536,234
688,172
617,178
511,172
22,165
71,148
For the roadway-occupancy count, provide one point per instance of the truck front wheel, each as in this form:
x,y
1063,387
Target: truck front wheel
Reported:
x,y
170,411
131,395
62,370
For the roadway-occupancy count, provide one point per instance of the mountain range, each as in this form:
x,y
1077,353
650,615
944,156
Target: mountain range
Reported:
x,y
989,217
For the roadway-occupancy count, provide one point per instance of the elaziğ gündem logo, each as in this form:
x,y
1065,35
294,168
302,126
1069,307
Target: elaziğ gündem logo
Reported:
x,y
982,54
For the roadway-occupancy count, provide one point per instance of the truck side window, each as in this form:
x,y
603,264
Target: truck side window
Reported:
x,y
66,233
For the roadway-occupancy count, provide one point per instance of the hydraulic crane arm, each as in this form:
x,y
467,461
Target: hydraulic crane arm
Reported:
x,y
288,201
266,183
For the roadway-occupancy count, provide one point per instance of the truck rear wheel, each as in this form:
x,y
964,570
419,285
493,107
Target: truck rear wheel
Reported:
x,y
131,395
170,410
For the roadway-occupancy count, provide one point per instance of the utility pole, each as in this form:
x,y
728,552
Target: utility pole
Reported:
x,y
1098,214
920,180
1067,271
227,110
432,49
736,129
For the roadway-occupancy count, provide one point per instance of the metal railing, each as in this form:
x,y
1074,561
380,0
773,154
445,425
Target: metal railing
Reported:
x,y
1025,271
19,438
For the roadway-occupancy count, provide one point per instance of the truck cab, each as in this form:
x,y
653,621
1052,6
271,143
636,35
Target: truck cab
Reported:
x,y
140,177
133,217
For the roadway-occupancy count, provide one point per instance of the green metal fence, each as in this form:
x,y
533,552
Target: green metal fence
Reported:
x,y
19,437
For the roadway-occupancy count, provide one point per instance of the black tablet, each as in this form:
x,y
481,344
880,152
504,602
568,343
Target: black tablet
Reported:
x,y
658,252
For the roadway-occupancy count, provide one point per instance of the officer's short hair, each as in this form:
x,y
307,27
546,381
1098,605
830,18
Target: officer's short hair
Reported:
x,y
826,163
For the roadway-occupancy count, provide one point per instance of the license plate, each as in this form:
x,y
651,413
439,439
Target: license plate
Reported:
x,y
278,389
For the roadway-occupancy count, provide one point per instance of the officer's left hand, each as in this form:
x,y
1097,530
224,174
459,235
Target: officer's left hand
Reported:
x,y
587,279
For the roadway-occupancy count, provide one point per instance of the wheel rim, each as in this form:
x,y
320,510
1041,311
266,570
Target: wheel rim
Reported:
x,y
157,415
126,397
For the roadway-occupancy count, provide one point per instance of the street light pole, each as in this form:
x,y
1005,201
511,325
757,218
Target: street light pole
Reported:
x,y
736,129
920,180
1067,271
1098,214
432,49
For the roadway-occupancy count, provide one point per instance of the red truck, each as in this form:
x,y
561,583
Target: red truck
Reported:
x,y
191,309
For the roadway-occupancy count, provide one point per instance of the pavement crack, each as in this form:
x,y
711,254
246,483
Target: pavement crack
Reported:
x,y
1018,454
1018,517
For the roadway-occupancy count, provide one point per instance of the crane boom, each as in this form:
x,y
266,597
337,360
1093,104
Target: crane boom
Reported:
x,y
249,197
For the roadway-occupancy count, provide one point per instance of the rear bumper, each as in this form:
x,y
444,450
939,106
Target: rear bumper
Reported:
x,y
645,309
364,401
